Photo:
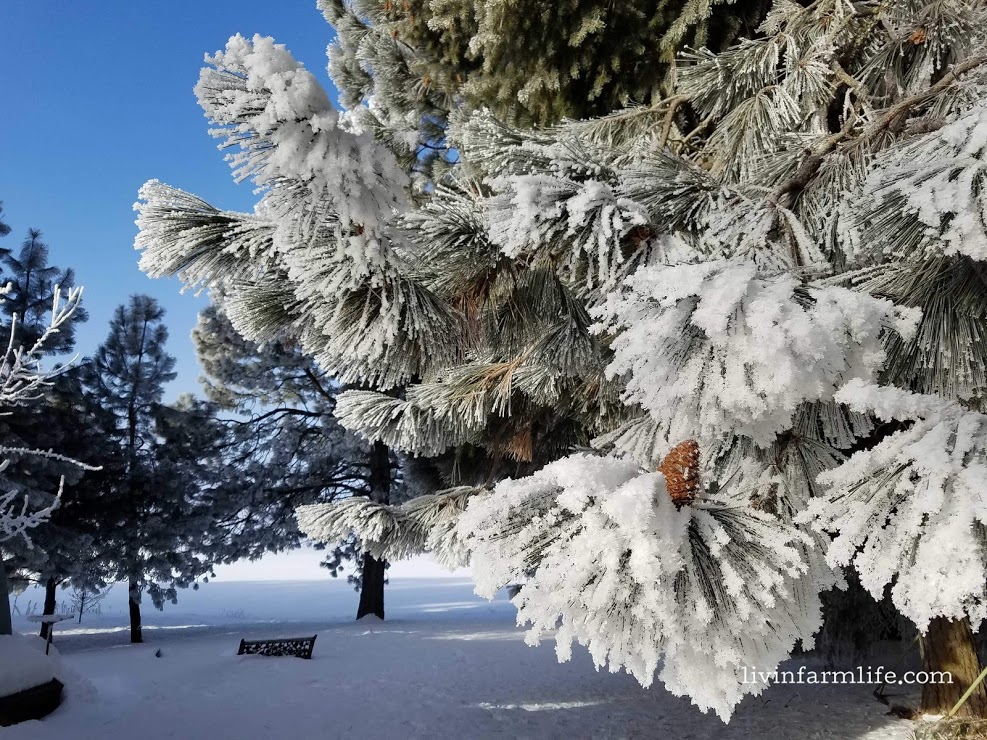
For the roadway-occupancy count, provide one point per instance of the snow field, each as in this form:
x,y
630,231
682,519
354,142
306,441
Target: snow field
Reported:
x,y
444,664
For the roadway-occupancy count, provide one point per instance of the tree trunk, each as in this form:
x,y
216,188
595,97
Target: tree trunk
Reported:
x,y
948,646
135,612
372,587
374,570
50,588
6,628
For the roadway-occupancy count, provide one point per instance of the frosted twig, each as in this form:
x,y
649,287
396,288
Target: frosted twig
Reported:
x,y
21,378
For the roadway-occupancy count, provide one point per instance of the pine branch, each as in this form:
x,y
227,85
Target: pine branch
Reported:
x,y
666,128
891,120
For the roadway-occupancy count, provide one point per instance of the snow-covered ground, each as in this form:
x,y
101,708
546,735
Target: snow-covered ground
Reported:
x,y
444,664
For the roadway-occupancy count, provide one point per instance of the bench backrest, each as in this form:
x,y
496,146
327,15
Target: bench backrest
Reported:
x,y
299,647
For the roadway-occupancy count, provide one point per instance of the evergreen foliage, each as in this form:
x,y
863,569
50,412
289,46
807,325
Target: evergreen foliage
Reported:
x,y
531,63
283,448
780,250
32,289
34,297
22,379
157,500
4,226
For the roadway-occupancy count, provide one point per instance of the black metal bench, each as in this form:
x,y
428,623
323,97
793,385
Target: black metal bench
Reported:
x,y
299,647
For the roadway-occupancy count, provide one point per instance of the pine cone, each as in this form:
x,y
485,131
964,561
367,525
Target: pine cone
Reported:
x,y
681,470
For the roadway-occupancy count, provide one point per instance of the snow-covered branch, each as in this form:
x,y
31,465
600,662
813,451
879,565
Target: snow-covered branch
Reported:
x,y
16,514
21,374
693,593
717,348
912,511
424,524
22,380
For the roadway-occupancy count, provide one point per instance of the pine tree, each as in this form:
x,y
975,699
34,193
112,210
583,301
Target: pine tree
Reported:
x,y
33,283
59,424
284,448
756,206
531,63
733,286
155,502
54,424
66,423
22,378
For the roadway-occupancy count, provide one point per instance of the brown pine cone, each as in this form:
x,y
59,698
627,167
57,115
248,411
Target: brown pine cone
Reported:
x,y
681,470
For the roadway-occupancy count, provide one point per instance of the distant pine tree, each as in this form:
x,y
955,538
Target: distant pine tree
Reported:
x,y
157,492
4,227
285,449
33,281
58,423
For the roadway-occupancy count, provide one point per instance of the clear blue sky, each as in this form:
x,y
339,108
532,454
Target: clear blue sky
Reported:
x,y
95,99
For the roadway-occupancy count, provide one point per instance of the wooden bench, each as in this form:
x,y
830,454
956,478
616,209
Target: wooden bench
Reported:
x,y
300,647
